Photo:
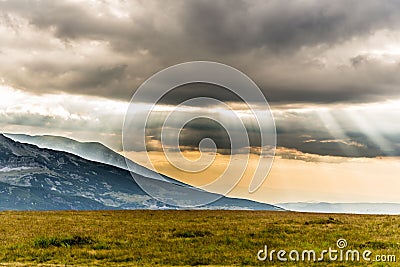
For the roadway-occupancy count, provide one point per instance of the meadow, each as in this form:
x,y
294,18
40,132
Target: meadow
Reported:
x,y
187,238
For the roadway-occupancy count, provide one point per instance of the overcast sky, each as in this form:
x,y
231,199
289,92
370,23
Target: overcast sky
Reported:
x,y
300,51
301,54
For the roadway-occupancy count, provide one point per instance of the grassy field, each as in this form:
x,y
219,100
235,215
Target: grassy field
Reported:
x,y
187,238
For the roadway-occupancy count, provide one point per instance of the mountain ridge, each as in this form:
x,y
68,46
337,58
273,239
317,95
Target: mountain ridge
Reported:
x,y
33,178
92,151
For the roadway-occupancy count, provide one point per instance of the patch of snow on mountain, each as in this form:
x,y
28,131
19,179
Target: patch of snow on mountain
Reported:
x,y
10,169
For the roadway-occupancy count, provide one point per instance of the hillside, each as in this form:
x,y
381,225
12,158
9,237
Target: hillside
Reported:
x,y
33,178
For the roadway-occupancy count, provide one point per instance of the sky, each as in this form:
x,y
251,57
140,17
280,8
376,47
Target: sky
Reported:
x,y
329,70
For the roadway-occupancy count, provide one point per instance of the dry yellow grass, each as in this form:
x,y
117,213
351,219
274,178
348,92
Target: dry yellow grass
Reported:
x,y
185,238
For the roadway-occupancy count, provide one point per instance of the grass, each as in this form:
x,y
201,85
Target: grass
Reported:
x,y
76,240
186,238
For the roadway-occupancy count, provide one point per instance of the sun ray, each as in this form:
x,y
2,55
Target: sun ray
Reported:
x,y
372,132
335,130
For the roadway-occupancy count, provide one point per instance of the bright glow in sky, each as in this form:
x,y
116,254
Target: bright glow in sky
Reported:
x,y
310,178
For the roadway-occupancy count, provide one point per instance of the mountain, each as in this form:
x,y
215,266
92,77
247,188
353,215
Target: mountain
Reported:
x,y
356,208
88,150
33,178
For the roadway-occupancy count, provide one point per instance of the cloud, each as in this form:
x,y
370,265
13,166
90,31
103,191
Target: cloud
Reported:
x,y
83,118
270,25
308,51
301,54
363,130
349,131
224,129
357,130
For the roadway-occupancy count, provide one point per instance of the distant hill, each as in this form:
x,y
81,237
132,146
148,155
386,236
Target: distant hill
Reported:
x,y
33,178
88,150
356,208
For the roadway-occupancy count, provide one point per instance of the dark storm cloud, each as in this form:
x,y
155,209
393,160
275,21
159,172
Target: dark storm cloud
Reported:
x,y
93,79
284,26
197,129
221,26
69,20
264,39
189,91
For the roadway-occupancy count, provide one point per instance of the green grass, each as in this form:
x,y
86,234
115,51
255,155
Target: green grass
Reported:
x,y
185,238
76,240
